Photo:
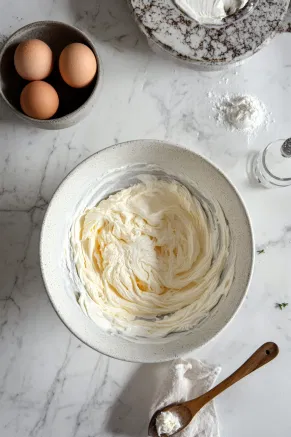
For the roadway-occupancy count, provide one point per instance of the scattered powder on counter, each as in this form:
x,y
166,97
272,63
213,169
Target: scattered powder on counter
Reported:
x,y
244,113
167,423
224,80
237,112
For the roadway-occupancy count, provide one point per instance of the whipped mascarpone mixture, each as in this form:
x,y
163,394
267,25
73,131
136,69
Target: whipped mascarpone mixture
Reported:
x,y
210,11
152,259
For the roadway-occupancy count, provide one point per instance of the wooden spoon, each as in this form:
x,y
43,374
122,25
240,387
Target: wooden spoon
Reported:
x,y
187,410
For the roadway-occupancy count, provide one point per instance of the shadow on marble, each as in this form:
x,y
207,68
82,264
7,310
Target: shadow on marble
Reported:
x,y
109,21
19,261
8,117
130,414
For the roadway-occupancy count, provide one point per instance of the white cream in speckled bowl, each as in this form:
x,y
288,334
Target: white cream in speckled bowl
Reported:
x,y
170,32
77,192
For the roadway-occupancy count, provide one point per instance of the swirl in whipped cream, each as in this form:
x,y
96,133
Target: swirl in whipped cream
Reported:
x,y
153,258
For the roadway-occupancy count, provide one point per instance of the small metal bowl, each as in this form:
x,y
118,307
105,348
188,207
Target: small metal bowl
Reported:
x,y
75,104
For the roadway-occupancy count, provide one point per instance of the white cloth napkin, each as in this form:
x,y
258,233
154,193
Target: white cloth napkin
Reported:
x,y
184,380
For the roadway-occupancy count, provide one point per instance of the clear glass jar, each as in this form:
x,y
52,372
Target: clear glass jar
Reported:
x,y
272,166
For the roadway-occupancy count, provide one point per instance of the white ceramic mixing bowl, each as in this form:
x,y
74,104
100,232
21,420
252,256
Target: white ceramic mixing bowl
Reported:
x,y
62,210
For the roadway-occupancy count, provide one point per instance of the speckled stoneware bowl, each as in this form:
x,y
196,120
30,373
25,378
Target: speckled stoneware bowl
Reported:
x,y
62,210
75,104
208,47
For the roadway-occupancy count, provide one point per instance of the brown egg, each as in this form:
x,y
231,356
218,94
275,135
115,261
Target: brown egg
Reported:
x,y
78,65
33,59
39,100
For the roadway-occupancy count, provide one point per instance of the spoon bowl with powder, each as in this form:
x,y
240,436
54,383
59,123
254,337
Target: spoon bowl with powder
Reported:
x,y
174,418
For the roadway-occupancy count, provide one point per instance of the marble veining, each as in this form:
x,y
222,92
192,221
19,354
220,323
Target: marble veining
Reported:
x,y
50,383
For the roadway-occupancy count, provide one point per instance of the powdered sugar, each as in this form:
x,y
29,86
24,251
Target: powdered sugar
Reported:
x,y
245,113
168,423
238,112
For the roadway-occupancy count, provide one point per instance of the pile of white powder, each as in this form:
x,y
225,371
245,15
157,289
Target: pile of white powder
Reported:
x,y
168,423
244,113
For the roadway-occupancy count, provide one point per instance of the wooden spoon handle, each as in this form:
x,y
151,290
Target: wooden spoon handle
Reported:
x,y
262,356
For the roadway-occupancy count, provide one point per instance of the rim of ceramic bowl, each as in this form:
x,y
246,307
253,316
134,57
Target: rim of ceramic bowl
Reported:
x,y
70,114
173,355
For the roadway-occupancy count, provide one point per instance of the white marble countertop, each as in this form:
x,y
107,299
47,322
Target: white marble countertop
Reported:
x,y
50,383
